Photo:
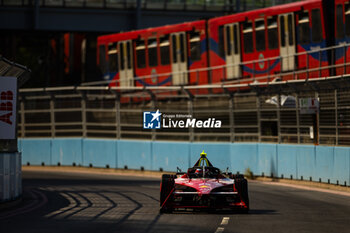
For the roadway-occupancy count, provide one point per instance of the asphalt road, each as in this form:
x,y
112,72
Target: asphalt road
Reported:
x,y
72,202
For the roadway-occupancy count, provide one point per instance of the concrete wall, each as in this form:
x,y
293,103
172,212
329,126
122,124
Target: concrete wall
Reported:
x,y
330,164
10,176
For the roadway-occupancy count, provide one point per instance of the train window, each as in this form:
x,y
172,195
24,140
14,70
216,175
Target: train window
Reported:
x,y
282,31
260,35
182,47
235,36
228,40
316,25
122,56
141,53
290,30
340,22
128,52
113,57
248,37
102,59
221,42
164,50
347,19
152,52
195,46
173,43
304,28
272,33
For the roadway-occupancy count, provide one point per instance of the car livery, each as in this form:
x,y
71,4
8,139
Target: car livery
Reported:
x,y
203,186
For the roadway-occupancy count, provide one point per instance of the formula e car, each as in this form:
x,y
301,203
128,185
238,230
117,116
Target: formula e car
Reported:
x,y
203,187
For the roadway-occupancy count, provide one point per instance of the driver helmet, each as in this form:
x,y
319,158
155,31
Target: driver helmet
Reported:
x,y
198,171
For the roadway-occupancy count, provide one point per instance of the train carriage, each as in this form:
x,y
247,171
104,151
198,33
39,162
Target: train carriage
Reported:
x,y
342,36
291,41
255,46
159,56
311,41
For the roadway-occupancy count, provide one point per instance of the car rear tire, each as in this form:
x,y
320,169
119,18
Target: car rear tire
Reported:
x,y
236,176
167,186
242,188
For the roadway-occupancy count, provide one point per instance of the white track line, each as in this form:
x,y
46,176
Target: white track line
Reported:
x,y
219,230
225,221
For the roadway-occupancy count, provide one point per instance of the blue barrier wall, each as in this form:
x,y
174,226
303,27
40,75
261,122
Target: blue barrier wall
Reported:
x,y
100,153
267,159
222,152
279,160
341,165
134,154
306,156
324,163
287,161
37,151
170,155
244,156
67,152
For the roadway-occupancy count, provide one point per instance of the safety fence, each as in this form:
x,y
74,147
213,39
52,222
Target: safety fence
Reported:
x,y
315,163
269,113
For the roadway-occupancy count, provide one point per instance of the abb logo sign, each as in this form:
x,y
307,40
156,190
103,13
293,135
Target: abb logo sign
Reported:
x,y
6,106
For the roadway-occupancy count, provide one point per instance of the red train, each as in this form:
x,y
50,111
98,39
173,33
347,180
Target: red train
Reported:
x,y
341,32
157,56
283,42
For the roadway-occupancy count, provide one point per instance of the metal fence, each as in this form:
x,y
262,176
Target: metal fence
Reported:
x,y
262,114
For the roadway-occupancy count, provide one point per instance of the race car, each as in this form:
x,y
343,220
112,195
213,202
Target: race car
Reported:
x,y
203,187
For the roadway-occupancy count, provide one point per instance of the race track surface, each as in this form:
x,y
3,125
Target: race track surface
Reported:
x,y
72,203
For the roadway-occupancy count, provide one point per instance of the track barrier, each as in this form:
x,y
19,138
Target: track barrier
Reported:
x,y
328,164
10,176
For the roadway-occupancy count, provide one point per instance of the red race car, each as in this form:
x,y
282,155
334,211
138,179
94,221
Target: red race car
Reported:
x,y
203,187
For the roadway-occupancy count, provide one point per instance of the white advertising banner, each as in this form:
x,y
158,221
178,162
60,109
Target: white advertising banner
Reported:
x,y
8,108
309,105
